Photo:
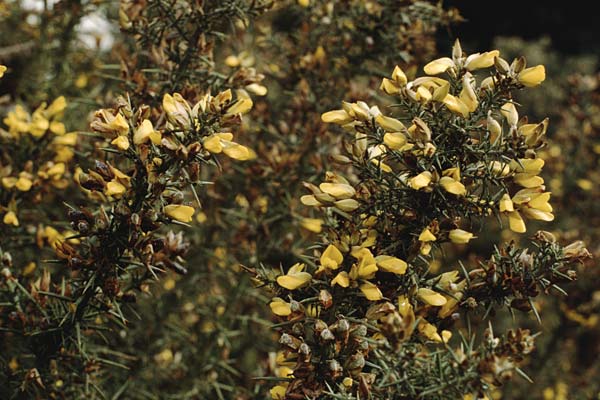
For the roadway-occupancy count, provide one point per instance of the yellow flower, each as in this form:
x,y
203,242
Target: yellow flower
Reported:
x,y
394,140
391,264
295,277
121,142
399,76
347,382
178,110
453,186
427,236
2,70
371,291
338,190
510,113
10,218
342,279
460,236
24,183
56,108
115,189
312,224
533,76
467,94
280,307
389,124
339,117
430,297
278,392
238,151
146,132
331,258
438,66
180,212
242,106
456,105
515,222
481,60
420,181
304,3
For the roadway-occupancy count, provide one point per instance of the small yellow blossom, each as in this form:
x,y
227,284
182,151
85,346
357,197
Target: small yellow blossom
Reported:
x,y
145,132
430,297
438,66
533,76
295,277
10,218
331,258
121,142
280,307
460,236
180,212
427,236
371,291
242,106
342,279
420,181
312,224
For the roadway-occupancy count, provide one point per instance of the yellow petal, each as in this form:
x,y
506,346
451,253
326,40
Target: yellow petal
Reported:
x,y
438,66
338,190
456,105
399,76
510,113
481,60
237,151
427,236
242,106
331,258
420,181
309,200
342,279
506,204
312,224
533,76
146,132
121,142
180,212
56,107
280,307
430,297
528,180
391,264
389,124
371,291
213,144
515,222
430,331
114,188
347,205
339,117
394,140
460,236
24,184
389,87
10,218
533,213
2,70
452,186
294,281
277,392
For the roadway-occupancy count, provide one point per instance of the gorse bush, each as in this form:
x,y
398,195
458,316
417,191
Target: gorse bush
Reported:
x,y
361,320
183,216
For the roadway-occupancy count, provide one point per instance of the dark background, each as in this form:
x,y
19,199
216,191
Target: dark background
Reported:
x,y
573,26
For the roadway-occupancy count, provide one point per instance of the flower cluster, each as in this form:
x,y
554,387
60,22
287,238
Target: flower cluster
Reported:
x,y
456,152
